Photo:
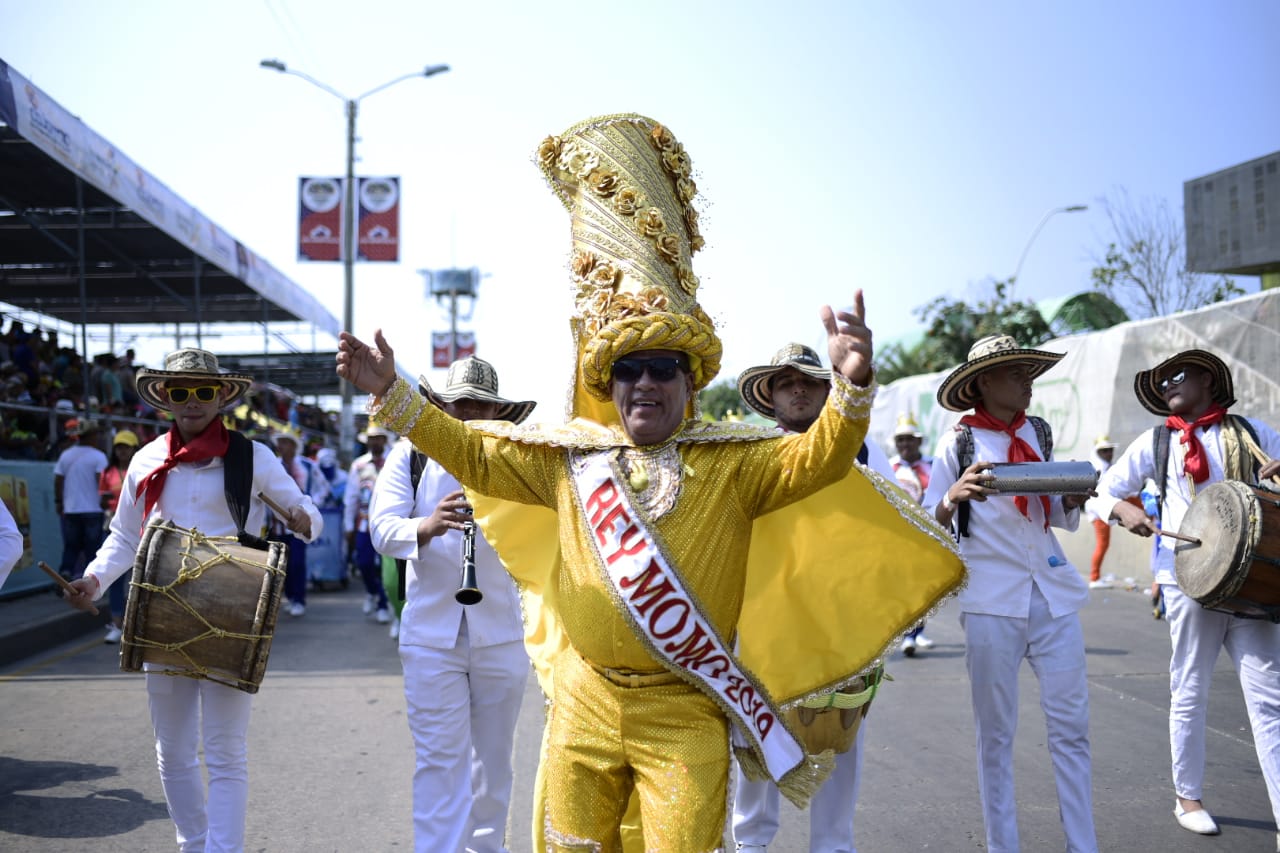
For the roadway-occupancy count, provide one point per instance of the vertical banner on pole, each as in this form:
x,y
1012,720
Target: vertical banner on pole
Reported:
x,y
378,219
319,219
466,347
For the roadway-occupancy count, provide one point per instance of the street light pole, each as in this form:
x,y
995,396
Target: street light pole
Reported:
x,y
1073,208
347,425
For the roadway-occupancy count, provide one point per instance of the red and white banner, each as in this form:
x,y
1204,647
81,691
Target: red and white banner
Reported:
x,y
378,227
465,347
320,219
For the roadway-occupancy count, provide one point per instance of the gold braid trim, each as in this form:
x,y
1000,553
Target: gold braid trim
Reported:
x,y
851,400
400,409
663,330
800,783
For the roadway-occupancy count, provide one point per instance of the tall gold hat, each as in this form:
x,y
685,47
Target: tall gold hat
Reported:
x,y
627,184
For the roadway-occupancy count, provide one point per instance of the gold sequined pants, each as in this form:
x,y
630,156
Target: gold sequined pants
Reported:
x,y
669,742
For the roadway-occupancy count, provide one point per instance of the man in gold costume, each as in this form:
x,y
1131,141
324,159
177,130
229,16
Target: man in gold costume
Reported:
x,y
643,536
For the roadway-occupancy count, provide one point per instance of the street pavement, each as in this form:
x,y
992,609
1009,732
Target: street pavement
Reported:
x,y
331,760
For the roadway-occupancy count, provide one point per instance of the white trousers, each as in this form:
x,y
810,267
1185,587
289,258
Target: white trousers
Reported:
x,y
1197,636
186,714
995,648
755,806
463,704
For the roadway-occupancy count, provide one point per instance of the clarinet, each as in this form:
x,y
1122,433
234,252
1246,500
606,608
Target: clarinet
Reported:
x,y
468,592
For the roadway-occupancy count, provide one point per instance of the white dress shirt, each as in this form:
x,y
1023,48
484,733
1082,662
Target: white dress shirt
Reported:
x,y
193,497
1138,462
1006,550
10,543
431,615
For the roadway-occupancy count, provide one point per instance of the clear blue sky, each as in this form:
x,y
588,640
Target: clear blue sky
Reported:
x,y
906,148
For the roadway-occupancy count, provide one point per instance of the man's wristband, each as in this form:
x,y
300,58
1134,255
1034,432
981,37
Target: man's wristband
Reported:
x,y
946,502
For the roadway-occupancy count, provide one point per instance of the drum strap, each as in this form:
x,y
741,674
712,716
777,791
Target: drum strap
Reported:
x,y
417,461
237,483
1237,436
964,450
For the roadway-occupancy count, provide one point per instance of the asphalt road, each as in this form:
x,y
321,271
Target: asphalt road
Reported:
x,y
331,759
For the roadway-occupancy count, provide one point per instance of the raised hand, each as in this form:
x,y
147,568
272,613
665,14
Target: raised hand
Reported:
x,y
372,369
849,341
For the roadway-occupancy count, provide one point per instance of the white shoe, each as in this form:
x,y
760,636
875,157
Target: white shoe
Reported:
x,y
297,608
909,647
1199,821
923,642
113,635
752,848
395,629
1100,584
370,602
383,616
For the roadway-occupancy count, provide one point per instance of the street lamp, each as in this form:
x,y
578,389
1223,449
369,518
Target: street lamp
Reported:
x,y
1073,208
347,426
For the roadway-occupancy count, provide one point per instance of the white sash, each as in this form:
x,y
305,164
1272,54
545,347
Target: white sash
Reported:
x,y
661,611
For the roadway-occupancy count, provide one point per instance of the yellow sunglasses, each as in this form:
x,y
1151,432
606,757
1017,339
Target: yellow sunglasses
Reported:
x,y
204,393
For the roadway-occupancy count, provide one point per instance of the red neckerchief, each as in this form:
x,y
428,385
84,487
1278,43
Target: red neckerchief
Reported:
x,y
1019,450
207,445
1197,463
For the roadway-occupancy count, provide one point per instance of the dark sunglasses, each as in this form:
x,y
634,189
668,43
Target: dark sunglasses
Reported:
x,y
1176,379
661,369
204,393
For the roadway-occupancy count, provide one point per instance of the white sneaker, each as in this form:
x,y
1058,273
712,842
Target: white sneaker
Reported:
x,y
1101,584
752,848
923,642
383,616
370,602
909,647
113,635
395,629
297,608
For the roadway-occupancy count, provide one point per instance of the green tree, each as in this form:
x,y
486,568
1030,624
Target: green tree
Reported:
x,y
1144,267
720,398
953,326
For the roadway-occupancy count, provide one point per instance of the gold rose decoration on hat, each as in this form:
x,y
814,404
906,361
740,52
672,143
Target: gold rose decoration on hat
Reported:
x,y
628,187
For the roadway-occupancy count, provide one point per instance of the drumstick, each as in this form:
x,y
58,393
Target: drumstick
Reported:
x,y
275,507
62,582
280,511
1180,536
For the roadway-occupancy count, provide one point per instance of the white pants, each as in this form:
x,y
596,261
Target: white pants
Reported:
x,y
1197,636
755,806
995,648
188,713
463,704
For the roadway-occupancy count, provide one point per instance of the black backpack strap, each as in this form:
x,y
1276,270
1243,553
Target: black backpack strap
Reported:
x,y
964,451
237,483
1160,450
863,454
417,462
1044,437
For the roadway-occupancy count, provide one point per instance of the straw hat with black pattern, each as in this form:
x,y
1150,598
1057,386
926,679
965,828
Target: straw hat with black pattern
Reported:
x,y
754,382
959,391
1146,382
475,379
190,363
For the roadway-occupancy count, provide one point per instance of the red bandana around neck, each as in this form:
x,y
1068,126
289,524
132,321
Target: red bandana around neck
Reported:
x,y
1019,450
208,444
1197,462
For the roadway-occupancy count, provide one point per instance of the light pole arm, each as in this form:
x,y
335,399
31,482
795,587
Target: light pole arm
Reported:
x,y
1073,208
429,71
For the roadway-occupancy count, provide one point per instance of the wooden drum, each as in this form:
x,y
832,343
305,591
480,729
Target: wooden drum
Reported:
x,y
832,721
202,606
1236,566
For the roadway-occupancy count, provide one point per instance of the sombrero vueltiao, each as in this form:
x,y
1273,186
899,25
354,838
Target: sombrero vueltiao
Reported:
x,y
475,379
959,393
1152,399
188,363
754,382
